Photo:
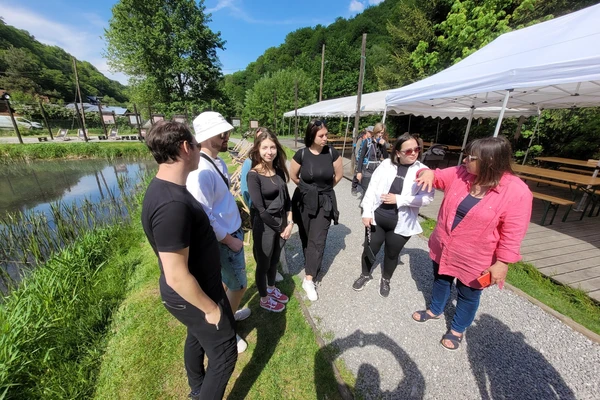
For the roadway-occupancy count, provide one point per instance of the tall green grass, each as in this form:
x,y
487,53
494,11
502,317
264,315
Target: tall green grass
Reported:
x,y
10,153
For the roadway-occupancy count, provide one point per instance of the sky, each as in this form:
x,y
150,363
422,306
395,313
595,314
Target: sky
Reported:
x,y
249,27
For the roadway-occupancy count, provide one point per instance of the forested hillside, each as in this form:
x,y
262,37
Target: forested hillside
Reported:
x,y
28,67
407,40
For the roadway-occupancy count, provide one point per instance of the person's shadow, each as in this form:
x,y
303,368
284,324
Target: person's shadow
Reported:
x,y
368,379
270,328
336,242
513,369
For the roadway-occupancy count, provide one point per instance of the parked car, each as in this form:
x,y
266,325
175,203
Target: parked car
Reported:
x,y
6,123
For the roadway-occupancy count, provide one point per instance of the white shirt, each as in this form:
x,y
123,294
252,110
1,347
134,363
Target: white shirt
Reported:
x,y
408,202
207,186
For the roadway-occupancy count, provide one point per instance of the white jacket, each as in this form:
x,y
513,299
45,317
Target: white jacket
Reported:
x,y
408,202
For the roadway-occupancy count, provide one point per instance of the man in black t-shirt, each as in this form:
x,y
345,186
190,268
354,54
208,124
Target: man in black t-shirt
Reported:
x,y
181,236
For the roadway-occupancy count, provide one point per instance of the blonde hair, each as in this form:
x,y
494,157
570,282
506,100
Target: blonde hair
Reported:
x,y
379,127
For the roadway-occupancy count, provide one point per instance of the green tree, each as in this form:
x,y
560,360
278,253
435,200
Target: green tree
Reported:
x,y
259,99
166,48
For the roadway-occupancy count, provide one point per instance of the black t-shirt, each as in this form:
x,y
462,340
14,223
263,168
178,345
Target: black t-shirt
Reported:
x,y
317,169
264,190
463,209
173,220
391,210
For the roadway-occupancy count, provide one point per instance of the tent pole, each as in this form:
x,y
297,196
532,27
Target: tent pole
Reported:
x,y
437,132
501,116
409,116
346,135
384,115
532,136
462,149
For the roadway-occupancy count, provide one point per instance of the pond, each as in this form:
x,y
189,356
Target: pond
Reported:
x,y
45,205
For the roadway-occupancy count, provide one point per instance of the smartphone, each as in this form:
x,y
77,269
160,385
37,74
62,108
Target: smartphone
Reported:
x,y
485,280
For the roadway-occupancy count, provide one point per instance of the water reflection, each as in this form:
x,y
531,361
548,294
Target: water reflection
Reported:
x,y
33,186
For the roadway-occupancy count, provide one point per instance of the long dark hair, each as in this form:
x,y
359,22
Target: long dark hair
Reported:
x,y
278,161
311,131
494,155
398,145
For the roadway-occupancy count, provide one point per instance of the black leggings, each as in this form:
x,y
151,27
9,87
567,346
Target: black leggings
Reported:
x,y
394,243
313,234
267,249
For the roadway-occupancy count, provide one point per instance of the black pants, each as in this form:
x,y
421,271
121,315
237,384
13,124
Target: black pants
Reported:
x,y
394,243
218,344
267,249
313,234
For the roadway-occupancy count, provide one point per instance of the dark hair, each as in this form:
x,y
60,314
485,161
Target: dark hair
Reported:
x,y
279,160
164,139
494,157
399,141
311,130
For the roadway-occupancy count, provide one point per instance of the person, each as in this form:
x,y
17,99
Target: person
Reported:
x,y
381,140
315,169
272,216
357,149
209,184
180,234
481,224
246,167
369,158
391,209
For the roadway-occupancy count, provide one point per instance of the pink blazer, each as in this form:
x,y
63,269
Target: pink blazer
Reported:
x,y
492,230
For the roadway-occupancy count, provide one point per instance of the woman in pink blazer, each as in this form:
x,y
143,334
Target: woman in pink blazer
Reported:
x,y
481,223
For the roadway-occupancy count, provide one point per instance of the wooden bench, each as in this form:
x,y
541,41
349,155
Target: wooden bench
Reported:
x,y
576,170
553,202
546,181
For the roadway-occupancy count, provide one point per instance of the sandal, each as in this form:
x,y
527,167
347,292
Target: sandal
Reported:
x,y
455,340
424,316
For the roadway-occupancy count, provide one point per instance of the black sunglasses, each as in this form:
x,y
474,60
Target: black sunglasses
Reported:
x,y
318,122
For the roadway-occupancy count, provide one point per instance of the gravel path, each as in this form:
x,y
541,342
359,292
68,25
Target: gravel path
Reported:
x,y
514,350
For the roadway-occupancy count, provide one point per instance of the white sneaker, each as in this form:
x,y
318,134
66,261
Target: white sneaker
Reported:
x,y
242,314
278,277
241,344
309,288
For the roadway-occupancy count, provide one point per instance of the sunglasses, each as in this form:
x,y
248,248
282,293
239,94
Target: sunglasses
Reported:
x,y
471,158
195,145
318,123
409,152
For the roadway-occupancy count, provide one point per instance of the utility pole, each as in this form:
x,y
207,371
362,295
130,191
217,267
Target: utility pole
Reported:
x,y
101,117
296,112
359,94
138,119
275,110
43,112
80,100
322,68
6,98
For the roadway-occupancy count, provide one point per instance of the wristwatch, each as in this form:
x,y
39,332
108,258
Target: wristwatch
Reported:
x,y
290,222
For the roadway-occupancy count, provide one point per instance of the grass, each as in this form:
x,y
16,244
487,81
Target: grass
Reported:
x,y
573,303
10,153
144,359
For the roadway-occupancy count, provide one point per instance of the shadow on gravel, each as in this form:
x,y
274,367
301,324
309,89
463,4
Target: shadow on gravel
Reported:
x,y
421,270
504,362
412,386
270,327
336,242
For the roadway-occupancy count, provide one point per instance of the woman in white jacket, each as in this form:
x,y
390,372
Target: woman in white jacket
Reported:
x,y
390,210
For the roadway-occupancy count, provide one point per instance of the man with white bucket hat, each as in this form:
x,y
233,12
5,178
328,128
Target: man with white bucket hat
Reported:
x,y
209,184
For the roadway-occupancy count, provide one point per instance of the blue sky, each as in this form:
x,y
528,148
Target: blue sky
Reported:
x,y
248,27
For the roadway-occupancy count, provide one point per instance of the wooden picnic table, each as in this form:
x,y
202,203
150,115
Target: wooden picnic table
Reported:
x,y
580,181
569,161
450,147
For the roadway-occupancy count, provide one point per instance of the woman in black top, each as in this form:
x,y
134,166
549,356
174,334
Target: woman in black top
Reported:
x,y
316,169
272,217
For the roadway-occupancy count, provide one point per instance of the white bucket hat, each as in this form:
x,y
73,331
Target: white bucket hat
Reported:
x,y
209,124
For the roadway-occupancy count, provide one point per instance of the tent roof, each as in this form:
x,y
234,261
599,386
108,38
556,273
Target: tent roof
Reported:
x,y
554,64
374,103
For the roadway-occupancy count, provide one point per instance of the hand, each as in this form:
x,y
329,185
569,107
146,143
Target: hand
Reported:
x,y
214,316
367,222
425,179
287,232
498,271
388,198
233,243
359,177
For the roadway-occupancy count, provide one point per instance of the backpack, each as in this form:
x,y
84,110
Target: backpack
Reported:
x,y
373,153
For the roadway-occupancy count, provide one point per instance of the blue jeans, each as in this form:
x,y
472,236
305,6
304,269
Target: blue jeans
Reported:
x,y
467,301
